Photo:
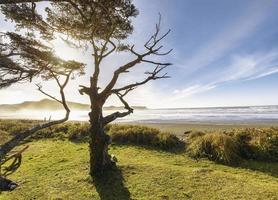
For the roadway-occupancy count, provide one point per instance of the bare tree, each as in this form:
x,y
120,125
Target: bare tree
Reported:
x,y
103,26
100,159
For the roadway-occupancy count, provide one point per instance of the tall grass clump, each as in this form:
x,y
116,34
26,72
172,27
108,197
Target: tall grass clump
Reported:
x,y
78,132
217,147
4,136
144,136
258,144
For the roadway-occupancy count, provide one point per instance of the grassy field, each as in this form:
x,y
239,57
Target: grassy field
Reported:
x,y
59,170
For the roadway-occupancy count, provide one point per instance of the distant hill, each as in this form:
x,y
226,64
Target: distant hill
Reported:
x,y
47,104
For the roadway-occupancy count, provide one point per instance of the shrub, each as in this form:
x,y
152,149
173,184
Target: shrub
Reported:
x,y
243,139
259,144
195,134
217,147
4,136
15,127
145,136
168,141
70,130
78,131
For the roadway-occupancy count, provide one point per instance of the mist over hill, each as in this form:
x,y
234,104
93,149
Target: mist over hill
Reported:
x,y
47,104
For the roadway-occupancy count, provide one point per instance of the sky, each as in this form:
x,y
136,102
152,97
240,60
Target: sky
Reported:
x,y
225,53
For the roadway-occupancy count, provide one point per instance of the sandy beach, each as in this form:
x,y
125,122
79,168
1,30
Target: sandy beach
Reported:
x,y
180,128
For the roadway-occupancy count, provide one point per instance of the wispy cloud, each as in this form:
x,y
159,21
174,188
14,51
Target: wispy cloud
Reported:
x,y
271,71
241,68
249,67
229,38
191,90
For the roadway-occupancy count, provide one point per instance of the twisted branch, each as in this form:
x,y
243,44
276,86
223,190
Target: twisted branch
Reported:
x,y
14,165
115,115
8,146
152,49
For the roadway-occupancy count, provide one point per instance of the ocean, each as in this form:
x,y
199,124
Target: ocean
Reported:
x,y
247,114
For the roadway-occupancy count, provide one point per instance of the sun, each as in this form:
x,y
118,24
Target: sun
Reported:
x,y
64,51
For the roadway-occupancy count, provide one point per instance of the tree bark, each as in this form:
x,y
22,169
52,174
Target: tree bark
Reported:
x,y
100,160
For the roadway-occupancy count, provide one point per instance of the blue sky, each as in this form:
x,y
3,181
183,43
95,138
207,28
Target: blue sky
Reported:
x,y
225,54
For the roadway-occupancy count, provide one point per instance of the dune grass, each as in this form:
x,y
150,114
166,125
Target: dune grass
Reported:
x,y
59,170
217,147
4,136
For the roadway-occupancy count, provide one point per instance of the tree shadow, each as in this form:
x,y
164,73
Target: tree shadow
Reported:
x,y
110,185
7,185
180,149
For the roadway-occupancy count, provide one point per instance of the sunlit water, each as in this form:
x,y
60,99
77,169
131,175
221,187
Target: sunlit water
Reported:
x,y
188,115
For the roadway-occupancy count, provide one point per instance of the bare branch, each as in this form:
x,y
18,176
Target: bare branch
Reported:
x,y
46,94
67,79
156,63
8,146
153,76
11,168
84,90
115,115
152,49
111,51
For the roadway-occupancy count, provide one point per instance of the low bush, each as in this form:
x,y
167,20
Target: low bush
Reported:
x,y
4,136
73,131
217,147
195,134
78,131
227,147
144,136
258,144
243,140
15,127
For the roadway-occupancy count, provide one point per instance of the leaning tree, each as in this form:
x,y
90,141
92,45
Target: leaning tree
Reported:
x,y
100,26
23,58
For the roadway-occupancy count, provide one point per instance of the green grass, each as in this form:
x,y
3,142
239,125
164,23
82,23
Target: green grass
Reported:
x,y
59,170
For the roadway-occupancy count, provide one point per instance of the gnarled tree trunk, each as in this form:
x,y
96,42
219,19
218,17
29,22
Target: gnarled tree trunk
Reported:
x,y
99,141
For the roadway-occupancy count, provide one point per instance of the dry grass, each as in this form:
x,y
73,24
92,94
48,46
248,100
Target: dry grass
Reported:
x,y
217,147
144,136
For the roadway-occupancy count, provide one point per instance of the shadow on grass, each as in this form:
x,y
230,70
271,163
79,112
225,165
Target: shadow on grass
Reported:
x,y
110,185
7,185
175,150
265,167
